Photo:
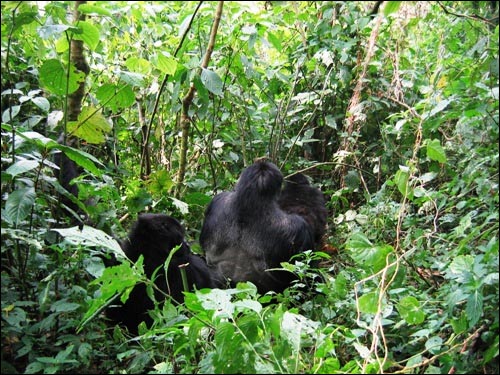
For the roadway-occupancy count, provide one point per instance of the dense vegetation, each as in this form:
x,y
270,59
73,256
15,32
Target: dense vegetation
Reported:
x,y
390,107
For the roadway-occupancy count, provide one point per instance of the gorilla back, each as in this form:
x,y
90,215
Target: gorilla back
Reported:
x,y
246,232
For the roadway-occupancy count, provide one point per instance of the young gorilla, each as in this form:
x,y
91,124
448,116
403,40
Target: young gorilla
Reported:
x,y
154,236
257,226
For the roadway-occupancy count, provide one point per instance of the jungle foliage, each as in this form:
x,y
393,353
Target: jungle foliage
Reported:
x,y
390,107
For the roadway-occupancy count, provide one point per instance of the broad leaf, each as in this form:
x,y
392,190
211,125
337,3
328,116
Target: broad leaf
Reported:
x,y
410,310
22,166
89,35
19,205
211,81
435,151
53,76
115,97
167,65
91,126
88,236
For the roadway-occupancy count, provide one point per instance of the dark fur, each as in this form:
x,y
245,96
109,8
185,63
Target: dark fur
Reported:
x,y
154,236
68,170
251,229
300,198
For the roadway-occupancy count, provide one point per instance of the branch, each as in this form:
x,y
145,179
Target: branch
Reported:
x,y
188,99
158,96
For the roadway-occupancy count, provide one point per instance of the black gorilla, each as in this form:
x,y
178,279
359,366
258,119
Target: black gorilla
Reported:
x,y
257,226
299,197
154,236
68,170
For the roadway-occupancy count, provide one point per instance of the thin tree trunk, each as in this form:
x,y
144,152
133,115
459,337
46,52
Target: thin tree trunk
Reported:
x,y
188,99
354,119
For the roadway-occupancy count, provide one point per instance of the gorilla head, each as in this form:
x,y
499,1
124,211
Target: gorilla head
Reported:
x,y
154,236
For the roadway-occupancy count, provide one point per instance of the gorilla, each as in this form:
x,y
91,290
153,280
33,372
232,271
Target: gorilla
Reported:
x,y
257,226
67,171
299,197
154,236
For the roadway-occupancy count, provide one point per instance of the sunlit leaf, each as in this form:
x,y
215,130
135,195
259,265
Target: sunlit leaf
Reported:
x,y
53,76
115,97
90,34
167,65
91,126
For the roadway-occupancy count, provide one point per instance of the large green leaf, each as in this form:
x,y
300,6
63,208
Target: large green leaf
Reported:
x,y
115,280
167,65
91,126
211,81
80,157
138,65
89,35
88,236
93,9
391,7
115,97
435,151
410,310
22,166
368,303
53,77
370,257
19,205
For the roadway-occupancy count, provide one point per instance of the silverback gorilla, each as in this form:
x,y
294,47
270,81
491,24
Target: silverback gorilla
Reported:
x,y
257,226
154,236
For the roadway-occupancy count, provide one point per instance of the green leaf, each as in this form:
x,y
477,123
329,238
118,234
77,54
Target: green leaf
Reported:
x,y
19,205
248,304
461,268
474,307
433,345
438,108
22,166
198,199
24,18
401,180
10,113
91,126
89,35
80,157
138,65
435,151
211,81
133,79
115,97
41,103
370,257
88,236
391,7
218,300
115,280
47,31
410,310
54,78
64,306
294,326
167,65
93,9
368,303
275,41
